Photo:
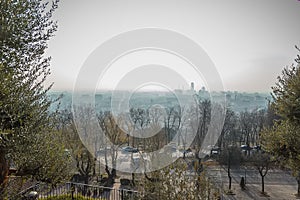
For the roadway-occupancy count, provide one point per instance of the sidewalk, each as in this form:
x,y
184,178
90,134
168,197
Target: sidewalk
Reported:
x,y
279,185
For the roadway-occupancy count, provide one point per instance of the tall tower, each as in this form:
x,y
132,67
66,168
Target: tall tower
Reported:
x,y
192,86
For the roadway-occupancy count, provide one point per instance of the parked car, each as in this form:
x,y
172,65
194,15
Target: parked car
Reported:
x,y
102,151
188,153
245,149
215,150
257,148
130,149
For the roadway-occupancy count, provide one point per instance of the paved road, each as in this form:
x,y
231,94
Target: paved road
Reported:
x,y
278,184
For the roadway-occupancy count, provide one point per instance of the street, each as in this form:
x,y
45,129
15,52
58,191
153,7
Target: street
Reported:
x,y
279,184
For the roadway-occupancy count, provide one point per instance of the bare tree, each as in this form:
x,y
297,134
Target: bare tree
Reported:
x,y
110,127
228,135
245,122
263,163
203,117
173,121
84,160
230,157
173,182
140,118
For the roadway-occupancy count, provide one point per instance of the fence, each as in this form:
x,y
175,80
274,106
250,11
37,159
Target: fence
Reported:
x,y
79,191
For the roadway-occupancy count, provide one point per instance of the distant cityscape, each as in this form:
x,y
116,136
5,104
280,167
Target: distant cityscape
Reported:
x,y
237,101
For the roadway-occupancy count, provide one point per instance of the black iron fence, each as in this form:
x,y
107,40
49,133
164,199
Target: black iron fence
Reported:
x,y
79,191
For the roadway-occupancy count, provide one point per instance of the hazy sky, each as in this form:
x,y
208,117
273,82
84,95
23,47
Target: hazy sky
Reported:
x,y
249,41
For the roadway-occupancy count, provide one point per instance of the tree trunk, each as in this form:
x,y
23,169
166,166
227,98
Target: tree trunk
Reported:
x,y
229,176
107,170
263,184
114,173
3,173
132,177
229,182
298,181
132,140
94,166
111,177
127,139
228,170
86,182
86,179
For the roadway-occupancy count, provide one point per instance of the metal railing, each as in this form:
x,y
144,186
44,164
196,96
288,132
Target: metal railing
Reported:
x,y
79,190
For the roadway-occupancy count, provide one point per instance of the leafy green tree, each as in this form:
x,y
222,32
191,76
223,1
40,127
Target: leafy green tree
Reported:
x,y
26,126
286,93
46,159
283,139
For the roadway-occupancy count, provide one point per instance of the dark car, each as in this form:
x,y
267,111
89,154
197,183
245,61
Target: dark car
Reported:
x,y
130,149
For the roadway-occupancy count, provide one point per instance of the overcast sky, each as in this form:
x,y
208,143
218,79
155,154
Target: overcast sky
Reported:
x,y
249,41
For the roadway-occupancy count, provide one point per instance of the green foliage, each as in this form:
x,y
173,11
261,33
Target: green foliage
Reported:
x,y
283,139
28,136
286,93
46,159
23,101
